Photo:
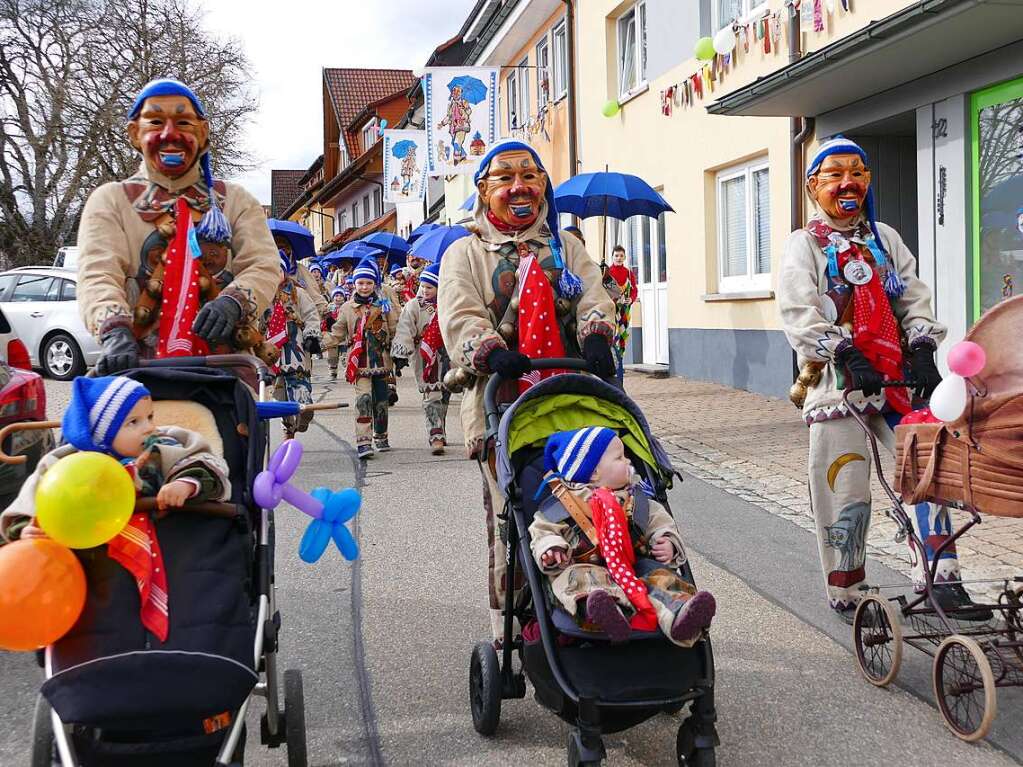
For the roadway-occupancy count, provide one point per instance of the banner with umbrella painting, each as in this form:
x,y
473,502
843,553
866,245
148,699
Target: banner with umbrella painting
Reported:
x,y
404,165
461,117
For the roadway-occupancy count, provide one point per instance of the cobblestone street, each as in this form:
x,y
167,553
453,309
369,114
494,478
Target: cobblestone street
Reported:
x,y
755,447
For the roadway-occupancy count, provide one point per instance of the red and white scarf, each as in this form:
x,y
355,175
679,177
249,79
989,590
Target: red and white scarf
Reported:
x,y
539,334
430,348
357,350
181,291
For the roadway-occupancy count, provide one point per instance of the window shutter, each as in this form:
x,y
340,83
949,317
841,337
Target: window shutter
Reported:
x,y
762,222
734,250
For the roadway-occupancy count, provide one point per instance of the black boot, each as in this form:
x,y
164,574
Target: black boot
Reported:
x,y
953,599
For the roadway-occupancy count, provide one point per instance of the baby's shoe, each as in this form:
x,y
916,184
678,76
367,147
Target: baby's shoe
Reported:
x,y
603,611
365,451
695,615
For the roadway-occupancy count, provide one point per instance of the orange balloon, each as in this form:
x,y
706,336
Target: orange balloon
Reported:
x,y
42,593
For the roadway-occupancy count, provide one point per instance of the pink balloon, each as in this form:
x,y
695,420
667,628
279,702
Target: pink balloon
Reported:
x,y
966,359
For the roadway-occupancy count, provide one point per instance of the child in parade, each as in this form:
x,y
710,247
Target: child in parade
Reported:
x,y
621,284
366,324
418,338
608,549
114,415
399,284
338,296
292,324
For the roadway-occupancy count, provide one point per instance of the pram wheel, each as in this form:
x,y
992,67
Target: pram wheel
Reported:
x,y
877,631
689,754
485,688
964,687
294,718
575,749
43,751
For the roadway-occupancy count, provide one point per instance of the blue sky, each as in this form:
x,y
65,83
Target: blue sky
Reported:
x,y
289,43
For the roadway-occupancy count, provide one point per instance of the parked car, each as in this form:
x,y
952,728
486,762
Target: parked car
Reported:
x,y
67,257
40,304
22,398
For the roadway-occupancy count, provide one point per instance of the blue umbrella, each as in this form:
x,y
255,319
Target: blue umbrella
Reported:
x,y
300,238
618,195
473,89
469,204
420,230
356,250
387,241
403,147
430,247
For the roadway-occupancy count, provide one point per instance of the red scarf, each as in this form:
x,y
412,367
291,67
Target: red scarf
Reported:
x,y
411,284
615,542
624,278
137,550
502,227
358,347
876,332
539,334
430,347
180,303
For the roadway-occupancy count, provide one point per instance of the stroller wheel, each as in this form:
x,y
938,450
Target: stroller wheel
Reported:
x,y
43,751
688,753
877,631
294,718
485,688
965,687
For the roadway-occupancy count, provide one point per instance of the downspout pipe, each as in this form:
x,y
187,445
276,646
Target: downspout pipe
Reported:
x,y
800,130
573,151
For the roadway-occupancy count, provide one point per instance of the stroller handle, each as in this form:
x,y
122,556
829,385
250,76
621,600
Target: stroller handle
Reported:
x,y
211,361
496,379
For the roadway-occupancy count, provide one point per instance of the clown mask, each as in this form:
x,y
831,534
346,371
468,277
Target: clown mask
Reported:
x,y
170,134
840,186
513,188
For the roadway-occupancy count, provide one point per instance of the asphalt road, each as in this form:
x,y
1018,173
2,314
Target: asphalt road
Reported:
x,y
384,643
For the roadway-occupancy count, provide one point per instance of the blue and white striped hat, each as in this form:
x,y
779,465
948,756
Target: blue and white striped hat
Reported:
x,y
338,291
367,270
574,455
430,275
98,409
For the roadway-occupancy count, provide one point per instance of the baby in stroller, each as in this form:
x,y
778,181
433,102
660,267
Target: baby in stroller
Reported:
x,y
114,415
611,552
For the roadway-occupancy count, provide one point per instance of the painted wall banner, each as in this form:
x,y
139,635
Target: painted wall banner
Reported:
x,y
461,117
404,165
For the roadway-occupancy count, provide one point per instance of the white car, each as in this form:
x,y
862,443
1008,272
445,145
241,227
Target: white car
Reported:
x,y
40,303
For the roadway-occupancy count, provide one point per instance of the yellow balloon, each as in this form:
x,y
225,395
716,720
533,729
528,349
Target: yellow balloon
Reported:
x,y
84,500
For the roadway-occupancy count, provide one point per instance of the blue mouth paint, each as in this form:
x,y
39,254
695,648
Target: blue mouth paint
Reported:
x,y
848,205
522,211
172,160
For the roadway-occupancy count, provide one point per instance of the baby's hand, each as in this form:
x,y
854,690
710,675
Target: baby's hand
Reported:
x,y
174,494
663,550
554,556
32,531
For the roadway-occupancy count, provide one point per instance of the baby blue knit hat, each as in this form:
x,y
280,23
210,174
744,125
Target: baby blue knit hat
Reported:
x,y
98,409
431,275
574,455
367,270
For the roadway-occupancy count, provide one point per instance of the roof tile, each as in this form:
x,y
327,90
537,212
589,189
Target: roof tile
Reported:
x,y
284,189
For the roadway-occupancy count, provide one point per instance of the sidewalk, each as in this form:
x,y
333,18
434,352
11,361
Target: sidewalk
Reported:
x,y
756,447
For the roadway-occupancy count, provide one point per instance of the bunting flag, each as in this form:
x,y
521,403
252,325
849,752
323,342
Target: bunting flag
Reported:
x,y
430,347
181,291
405,164
539,333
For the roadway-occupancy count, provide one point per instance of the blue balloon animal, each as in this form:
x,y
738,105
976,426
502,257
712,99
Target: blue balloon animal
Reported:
x,y
329,510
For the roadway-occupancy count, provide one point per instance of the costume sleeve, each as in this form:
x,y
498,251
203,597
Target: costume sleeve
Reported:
x,y
661,524
192,458
465,325
23,507
912,308
255,264
310,316
546,535
809,332
404,344
338,334
595,312
104,262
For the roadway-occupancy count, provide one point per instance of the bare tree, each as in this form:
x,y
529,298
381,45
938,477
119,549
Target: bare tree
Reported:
x,y
69,70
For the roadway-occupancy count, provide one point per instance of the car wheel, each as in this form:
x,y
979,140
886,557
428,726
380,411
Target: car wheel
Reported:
x,y
62,359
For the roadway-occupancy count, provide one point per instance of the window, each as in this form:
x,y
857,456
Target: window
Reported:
x,y
662,251
5,282
365,209
32,287
744,228
632,50
523,92
543,73
344,161
69,291
355,213
378,202
512,92
559,83
342,220
728,11
369,135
